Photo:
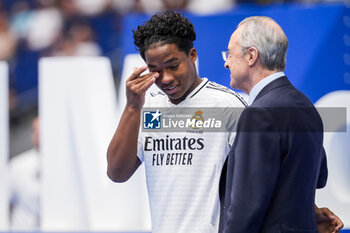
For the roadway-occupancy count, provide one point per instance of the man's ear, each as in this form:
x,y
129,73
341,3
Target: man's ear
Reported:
x,y
252,55
193,55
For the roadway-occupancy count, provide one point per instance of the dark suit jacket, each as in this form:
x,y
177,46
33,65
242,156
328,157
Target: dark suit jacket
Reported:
x,y
277,161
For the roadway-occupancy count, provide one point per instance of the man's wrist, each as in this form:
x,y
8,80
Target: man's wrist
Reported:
x,y
131,108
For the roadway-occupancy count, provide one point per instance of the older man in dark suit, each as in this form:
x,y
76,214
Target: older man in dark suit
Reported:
x,y
277,161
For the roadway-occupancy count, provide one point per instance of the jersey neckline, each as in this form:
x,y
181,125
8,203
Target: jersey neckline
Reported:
x,y
193,92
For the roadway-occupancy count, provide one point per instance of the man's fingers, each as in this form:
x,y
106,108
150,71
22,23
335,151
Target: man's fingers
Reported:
x,y
141,80
336,221
137,72
147,83
140,86
145,78
339,225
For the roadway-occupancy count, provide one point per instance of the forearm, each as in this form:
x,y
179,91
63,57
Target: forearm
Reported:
x,y
122,151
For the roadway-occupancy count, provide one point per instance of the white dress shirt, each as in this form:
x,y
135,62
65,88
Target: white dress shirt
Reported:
x,y
260,85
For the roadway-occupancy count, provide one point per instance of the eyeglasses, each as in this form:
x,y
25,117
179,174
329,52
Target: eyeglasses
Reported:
x,y
225,55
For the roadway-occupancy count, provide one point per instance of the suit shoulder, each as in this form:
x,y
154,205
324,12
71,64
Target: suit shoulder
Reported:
x,y
287,96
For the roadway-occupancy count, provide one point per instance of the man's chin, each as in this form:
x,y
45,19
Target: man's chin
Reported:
x,y
175,99
233,85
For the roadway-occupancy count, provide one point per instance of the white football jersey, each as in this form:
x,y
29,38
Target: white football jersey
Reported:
x,y
183,168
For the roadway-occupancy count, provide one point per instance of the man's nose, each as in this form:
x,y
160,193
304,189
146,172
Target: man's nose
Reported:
x,y
226,65
166,78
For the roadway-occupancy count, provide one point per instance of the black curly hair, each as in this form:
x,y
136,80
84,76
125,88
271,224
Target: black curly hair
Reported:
x,y
167,27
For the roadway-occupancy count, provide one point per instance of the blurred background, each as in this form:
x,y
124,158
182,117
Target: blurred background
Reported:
x,y
70,37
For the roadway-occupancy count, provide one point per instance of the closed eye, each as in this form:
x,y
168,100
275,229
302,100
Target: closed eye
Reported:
x,y
173,67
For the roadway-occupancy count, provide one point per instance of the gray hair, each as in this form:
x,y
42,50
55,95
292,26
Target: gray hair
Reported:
x,y
268,38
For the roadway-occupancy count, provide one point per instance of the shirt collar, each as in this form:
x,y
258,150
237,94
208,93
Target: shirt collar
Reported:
x,y
260,85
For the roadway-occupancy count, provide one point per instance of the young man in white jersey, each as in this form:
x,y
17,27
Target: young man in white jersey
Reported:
x,y
182,168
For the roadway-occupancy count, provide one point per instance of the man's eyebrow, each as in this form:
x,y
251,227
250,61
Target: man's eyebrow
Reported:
x,y
171,60
167,62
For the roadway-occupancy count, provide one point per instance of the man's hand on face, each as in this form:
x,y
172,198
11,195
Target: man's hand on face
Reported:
x,y
137,85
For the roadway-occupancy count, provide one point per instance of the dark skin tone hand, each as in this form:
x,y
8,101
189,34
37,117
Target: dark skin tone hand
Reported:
x,y
327,221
